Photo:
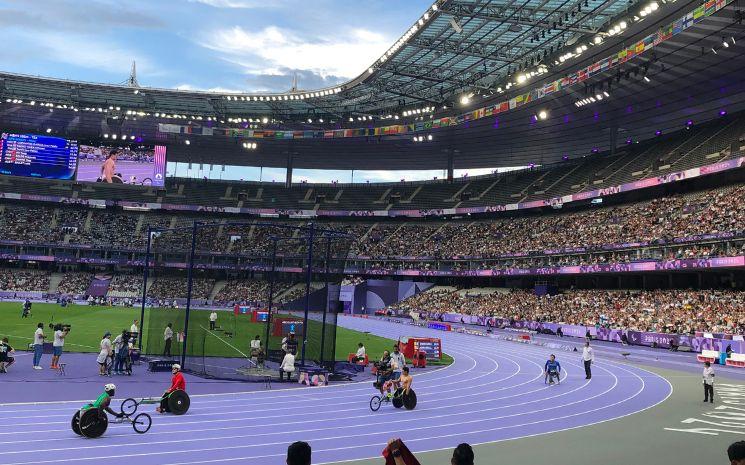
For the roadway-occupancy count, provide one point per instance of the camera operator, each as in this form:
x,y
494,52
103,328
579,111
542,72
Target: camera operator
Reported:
x,y
121,351
60,333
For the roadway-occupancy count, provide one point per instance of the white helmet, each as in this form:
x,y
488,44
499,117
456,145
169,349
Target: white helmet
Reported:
x,y
176,366
109,387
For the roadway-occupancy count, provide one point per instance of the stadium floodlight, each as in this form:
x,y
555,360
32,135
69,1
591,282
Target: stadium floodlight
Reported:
x,y
653,6
606,94
647,79
598,40
465,100
320,120
434,7
521,78
351,120
725,44
542,114
131,137
310,120
264,120
599,96
49,130
105,136
429,137
113,136
187,142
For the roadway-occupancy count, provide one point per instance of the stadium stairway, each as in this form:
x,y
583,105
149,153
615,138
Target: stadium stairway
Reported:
x,y
54,281
219,286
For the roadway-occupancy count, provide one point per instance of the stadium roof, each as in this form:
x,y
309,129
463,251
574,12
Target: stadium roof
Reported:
x,y
470,48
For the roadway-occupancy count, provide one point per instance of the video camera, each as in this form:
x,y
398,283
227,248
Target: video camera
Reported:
x,y
62,326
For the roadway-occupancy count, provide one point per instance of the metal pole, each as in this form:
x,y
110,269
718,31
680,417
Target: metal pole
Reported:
x,y
188,291
271,294
328,295
308,275
144,288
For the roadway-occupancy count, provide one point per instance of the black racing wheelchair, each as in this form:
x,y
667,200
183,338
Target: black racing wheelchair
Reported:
x,y
178,403
92,423
398,399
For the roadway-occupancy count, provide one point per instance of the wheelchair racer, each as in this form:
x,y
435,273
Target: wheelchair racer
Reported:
x,y
552,369
177,383
102,403
385,372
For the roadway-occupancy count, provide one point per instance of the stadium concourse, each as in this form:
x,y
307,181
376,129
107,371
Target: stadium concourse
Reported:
x,y
493,392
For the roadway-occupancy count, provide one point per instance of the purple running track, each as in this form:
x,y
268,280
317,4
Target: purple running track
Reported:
x,y
494,391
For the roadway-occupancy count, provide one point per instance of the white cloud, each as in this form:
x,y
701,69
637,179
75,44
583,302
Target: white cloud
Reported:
x,y
268,50
221,90
230,3
83,52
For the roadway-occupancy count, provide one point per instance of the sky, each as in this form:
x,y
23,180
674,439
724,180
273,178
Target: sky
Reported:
x,y
217,45
220,45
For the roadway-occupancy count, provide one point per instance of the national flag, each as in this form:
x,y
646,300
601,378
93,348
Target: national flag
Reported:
x,y
664,33
721,4
710,7
582,75
504,106
488,111
639,48
622,56
699,13
688,21
593,68
328,134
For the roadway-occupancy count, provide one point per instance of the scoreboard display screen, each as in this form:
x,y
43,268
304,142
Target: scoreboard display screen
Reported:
x,y
432,347
262,317
38,156
289,326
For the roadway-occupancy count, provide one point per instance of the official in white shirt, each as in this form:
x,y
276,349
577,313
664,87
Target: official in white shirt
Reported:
x,y
360,355
708,376
287,366
588,356
213,320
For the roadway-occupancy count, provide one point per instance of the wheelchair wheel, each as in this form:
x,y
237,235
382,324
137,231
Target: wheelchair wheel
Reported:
x,y
142,423
410,400
398,400
178,402
128,407
375,403
75,423
93,424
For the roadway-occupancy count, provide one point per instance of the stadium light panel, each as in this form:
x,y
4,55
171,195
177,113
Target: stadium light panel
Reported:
x,y
113,136
49,130
598,40
606,94
647,79
429,137
434,7
187,142
542,114
264,120
725,44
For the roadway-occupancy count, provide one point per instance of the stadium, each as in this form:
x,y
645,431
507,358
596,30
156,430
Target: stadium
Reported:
x,y
516,234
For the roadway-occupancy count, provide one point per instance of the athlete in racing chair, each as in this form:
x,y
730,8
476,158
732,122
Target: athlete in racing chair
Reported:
x,y
178,388
552,370
384,372
91,421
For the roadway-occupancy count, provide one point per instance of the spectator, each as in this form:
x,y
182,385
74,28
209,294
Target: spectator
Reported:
x,y
736,453
462,455
38,345
298,453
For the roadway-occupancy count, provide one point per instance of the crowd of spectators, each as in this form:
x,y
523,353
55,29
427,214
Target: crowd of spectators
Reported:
x,y
126,285
705,212
176,288
243,291
665,311
24,280
74,284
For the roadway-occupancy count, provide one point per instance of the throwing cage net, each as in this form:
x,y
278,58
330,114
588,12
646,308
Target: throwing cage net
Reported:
x,y
238,296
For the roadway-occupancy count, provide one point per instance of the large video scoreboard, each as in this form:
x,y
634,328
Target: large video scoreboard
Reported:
x,y
37,156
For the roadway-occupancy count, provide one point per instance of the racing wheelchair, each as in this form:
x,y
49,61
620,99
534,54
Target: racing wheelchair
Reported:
x,y
92,423
178,403
550,376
